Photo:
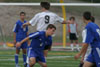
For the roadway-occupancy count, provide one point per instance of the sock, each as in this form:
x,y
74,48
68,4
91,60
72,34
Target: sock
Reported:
x,y
72,46
16,59
81,65
77,46
24,58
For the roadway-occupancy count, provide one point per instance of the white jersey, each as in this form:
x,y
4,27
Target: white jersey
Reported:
x,y
43,19
89,47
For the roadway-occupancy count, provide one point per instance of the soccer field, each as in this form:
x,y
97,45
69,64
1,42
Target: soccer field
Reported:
x,y
54,59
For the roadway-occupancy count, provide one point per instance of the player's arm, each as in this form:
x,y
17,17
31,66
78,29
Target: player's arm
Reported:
x,y
83,55
14,36
87,39
26,24
28,40
20,43
83,50
32,22
15,30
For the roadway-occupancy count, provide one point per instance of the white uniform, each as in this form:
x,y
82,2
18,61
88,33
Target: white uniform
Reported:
x,y
89,47
43,19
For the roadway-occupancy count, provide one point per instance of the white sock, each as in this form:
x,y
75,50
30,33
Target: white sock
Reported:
x,y
72,46
77,46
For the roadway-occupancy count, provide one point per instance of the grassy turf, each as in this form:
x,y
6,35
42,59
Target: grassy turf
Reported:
x,y
55,59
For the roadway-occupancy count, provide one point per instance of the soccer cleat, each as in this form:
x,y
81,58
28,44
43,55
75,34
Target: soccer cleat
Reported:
x,y
17,65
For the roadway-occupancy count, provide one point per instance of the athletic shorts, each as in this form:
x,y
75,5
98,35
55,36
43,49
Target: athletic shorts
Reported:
x,y
72,36
23,46
94,57
36,54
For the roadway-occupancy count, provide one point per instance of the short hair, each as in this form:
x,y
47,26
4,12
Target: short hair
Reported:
x,y
92,19
51,26
72,18
45,5
87,15
22,13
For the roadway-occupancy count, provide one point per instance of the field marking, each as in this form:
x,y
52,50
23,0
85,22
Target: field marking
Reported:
x,y
52,57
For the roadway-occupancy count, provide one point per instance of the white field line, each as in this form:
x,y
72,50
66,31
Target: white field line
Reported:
x,y
52,57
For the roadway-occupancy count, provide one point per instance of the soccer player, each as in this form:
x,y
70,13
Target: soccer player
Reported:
x,y
85,55
43,19
73,33
19,34
92,38
39,40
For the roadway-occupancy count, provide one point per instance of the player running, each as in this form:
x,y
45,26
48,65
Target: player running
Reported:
x,y
85,55
19,34
39,41
43,19
92,38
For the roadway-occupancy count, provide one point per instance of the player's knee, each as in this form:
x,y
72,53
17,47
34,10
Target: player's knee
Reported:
x,y
32,62
44,65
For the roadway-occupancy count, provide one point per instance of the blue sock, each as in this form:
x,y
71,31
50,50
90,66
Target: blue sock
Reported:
x,y
16,59
24,58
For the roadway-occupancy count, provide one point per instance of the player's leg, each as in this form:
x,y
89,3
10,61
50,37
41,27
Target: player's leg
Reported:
x,y
76,41
72,45
32,61
87,64
16,56
77,45
81,65
24,55
71,41
42,64
24,51
42,60
46,49
45,52
90,60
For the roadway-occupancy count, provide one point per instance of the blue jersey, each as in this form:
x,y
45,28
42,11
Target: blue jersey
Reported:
x,y
92,35
39,40
21,32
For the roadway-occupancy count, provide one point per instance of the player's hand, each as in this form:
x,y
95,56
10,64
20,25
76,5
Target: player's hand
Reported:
x,y
82,60
77,56
18,44
24,25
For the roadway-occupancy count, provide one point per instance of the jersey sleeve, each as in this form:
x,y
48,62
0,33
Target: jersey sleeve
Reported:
x,y
59,19
34,35
87,36
15,29
34,20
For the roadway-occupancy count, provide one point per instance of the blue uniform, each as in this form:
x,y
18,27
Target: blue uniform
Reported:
x,y
21,33
39,41
92,37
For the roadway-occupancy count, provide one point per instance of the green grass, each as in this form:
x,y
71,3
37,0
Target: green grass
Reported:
x,y
55,59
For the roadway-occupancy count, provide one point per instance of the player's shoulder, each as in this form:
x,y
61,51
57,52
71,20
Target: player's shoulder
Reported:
x,y
89,25
18,21
42,32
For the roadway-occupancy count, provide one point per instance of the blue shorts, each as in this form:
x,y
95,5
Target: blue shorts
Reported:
x,y
94,57
37,54
23,46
